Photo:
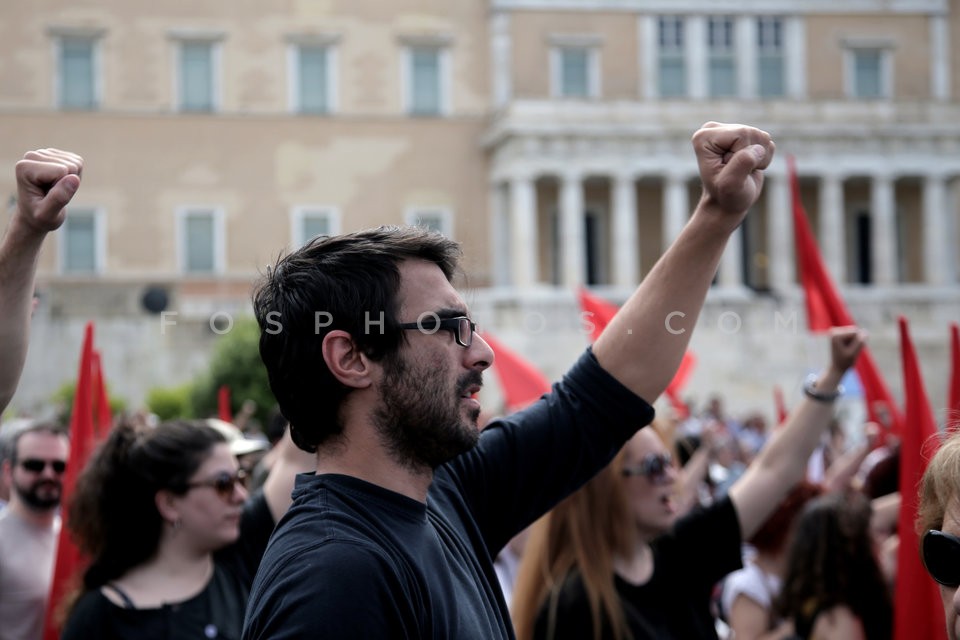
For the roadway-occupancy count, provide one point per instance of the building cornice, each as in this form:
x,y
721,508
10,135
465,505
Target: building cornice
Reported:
x,y
674,7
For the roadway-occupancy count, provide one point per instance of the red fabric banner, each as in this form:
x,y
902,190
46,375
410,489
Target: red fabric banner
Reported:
x,y
917,612
521,382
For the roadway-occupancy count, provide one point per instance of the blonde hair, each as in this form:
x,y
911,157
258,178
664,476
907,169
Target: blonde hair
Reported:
x,y
940,483
584,532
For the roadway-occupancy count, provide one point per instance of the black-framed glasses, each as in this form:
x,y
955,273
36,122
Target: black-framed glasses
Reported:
x,y
941,556
37,465
223,483
653,467
461,327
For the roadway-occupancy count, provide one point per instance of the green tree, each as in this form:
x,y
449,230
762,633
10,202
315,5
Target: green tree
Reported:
x,y
236,363
170,403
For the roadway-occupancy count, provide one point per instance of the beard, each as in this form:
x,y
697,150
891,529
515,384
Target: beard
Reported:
x,y
42,495
420,416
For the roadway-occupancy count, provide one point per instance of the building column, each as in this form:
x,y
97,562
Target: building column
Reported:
x,y
832,232
524,249
936,233
676,207
572,230
625,240
730,274
940,57
499,236
781,249
747,53
500,66
695,48
884,227
795,50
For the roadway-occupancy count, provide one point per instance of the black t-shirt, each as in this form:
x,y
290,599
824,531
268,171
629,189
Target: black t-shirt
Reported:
x,y
674,604
215,612
353,560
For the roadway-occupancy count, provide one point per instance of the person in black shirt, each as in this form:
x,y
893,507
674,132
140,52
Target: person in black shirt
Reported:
x,y
174,538
612,562
373,358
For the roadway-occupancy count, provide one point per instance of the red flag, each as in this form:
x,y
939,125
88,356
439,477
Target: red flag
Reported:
x,y
223,404
103,417
953,394
781,404
917,612
600,313
826,309
69,562
521,382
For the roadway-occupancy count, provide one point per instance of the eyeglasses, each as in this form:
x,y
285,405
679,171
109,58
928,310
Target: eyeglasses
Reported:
x,y
36,465
653,467
461,327
223,483
941,556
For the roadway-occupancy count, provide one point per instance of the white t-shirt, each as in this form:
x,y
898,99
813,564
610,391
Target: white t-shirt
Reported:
x,y
27,553
752,582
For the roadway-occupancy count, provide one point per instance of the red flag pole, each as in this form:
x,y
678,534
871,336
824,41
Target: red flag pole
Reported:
x,y
69,562
916,609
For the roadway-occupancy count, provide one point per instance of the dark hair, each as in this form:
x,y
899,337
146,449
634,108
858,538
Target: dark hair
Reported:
x,y
39,427
354,278
113,514
884,477
774,533
831,562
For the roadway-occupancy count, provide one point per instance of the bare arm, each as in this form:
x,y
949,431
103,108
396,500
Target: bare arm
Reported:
x,y
783,461
278,486
749,621
46,181
644,343
841,473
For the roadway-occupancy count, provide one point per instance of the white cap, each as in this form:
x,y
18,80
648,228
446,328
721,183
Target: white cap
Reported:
x,y
239,444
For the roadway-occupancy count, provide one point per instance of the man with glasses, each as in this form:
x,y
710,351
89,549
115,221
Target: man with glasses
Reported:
x,y
29,527
372,355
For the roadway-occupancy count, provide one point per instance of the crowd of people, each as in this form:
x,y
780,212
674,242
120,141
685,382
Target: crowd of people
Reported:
x,y
384,511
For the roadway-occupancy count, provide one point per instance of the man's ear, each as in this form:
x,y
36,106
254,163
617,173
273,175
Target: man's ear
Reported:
x,y
346,361
7,471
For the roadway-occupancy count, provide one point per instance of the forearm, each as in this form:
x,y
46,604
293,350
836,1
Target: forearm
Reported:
x,y
693,474
19,254
656,323
782,463
842,471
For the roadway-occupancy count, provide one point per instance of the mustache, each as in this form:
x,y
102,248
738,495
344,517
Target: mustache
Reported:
x,y
468,380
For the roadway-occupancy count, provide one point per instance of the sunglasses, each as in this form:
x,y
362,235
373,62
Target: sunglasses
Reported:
x,y
941,556
36,465
223,483
461,327
653,467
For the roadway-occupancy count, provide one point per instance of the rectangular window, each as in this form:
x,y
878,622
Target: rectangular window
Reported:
x,y
574,63
311,221
425,90
771,59
79,243
77,73
672,68
440,220
313,79
197,79
868,73
201,241
722,57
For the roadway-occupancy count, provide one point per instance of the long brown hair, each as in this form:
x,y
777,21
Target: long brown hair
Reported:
x,y
583,533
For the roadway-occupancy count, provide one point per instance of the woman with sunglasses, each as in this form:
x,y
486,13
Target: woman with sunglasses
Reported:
x,y
938,523
174,538
614,561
